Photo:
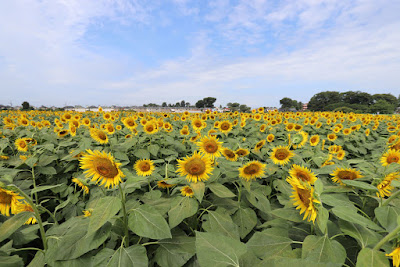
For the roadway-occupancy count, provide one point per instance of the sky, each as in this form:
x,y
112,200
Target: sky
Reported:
x,y
134,52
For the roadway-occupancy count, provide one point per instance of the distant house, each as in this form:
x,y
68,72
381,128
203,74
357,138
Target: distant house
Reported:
x,y
305,106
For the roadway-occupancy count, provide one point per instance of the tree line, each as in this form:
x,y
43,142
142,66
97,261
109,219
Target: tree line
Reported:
x,y
350,101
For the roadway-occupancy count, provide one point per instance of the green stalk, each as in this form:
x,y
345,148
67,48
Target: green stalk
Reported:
x,y
393,196
126,239
387,238
34,185
37,215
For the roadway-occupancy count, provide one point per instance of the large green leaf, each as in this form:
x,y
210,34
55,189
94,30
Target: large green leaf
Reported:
x,y
198,190
220,190
11,261
270,243
44,187
220,222
359,184
145,221
387,217
103,210
175,252
218,250
246,220
181,208
350,215
372,258
322,249
12,224
134,256
290,214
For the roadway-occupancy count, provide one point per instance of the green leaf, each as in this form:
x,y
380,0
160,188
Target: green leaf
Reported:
x,y
217,250
364,236
270,243
198,189
12,224
142,153
175,252
145,221
387,217
181,208
103,210
322,249
121,156
153,149
290,214
360,185
45,160
31,161
350,215
38,260
44,187
371,258
220,222
259,200
47,170
132,256
11,261
220,190
246,220
322,218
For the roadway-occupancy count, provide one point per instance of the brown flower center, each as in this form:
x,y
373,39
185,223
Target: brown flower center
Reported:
x,y
251,169
5,198
347,175
144,166
392,158
210,147
229,154
303,176
225,126
195,167
105,168
304,196
281,154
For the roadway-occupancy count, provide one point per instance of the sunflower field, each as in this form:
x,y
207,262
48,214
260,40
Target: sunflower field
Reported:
x,y
199,189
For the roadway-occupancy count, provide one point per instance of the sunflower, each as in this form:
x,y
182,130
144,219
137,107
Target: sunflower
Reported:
x,y
314,140
340,155
390,156
102,167
385,186
332,137
270,138
304,199
263,127
225,127
23,207
150,127
129,123
87,213
259,145
210,146
281,155
187,191
110,128
299,139
347,131
164,184
72,130
4,157
184,131
229,154
367,131
21,144
62,133
395,254
252,170
197,124
99,135
345,174
195,168
9,200
81,185
302,173
86,121
144,167
242,152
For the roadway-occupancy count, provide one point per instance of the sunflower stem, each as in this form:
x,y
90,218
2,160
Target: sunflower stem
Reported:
x,y
387,238
126,238
37,215
34,185
393,196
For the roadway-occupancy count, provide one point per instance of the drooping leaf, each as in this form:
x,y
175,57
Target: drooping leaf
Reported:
x,y
372,258
175,252
322,249
246,220
103,210
181,208
220,222
12,224
220,190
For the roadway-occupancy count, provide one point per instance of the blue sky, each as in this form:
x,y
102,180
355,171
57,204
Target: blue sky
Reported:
x,y
131,52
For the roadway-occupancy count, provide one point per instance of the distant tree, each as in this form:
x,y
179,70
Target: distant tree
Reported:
x,y
389,98
187,104
244,108
164,104
357,97
183,103
209,102
26,106
200,104
169,105
233,106
383,107
319,101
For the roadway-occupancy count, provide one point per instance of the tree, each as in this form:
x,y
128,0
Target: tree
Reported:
x,y
164,104
244,108
382,107
187,104
233,106
26,106
200,104
287,103
389,98
183,103
209,102
319,101
357,97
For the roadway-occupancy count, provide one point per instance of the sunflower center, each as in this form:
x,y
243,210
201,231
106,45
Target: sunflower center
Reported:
x,y
347,175
251,169
241,152
198,124
391,159
210,147
304,196
150,128
105,168
313,139
229,154
303,176
224,126
195,167
5,198
22,144
145,166
281,154
102,135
